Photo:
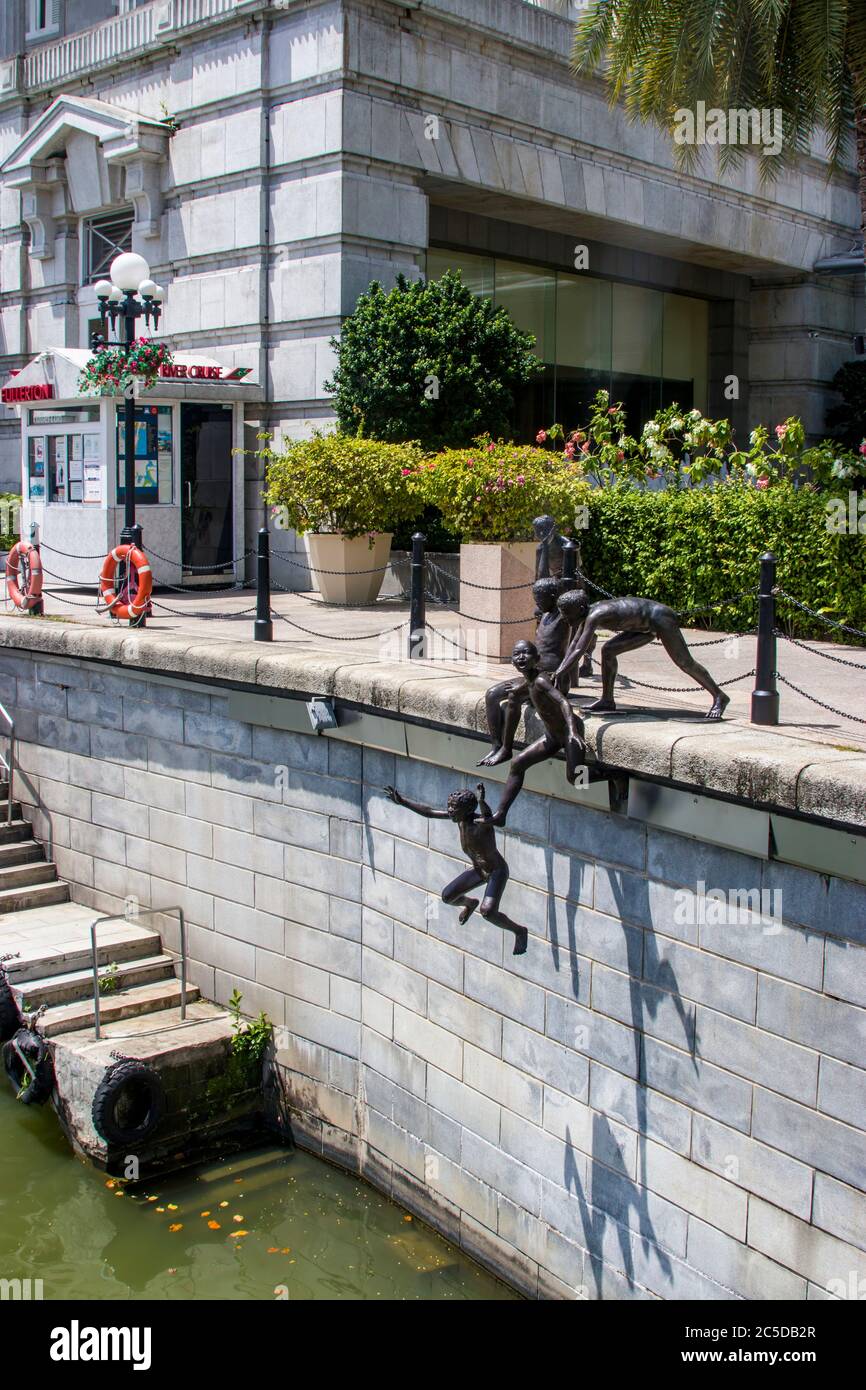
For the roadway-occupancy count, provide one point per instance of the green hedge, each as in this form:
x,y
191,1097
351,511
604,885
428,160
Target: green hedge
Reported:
x,y
691,547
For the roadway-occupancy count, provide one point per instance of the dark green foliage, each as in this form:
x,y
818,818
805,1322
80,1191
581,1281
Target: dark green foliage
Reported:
x,y
687,548
431,362
848,420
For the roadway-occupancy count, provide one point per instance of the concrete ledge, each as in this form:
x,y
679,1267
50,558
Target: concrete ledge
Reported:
x,y
774,770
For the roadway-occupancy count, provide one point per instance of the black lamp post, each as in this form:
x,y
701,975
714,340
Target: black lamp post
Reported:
x,y
119,302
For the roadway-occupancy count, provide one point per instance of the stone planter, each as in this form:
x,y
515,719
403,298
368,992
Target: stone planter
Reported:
x,y
341,566
499,614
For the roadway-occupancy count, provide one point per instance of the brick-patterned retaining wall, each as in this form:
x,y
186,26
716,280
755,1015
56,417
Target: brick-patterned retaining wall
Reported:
x,y
646,1104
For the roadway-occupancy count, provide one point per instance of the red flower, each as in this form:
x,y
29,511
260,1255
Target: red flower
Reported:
x,y
541,436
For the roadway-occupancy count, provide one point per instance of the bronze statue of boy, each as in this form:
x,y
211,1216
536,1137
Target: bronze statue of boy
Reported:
x,y
563,727
635,622
505,700
478,842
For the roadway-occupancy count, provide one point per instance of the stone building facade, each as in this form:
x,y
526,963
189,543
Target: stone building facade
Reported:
x,y
271,160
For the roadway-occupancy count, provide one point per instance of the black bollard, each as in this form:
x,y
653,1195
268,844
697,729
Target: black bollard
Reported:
x,y
765,696
569,559
417,600
263,627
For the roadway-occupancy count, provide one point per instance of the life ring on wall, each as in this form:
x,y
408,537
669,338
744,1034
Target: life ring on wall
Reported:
x,y
128,1104
138,604
30,595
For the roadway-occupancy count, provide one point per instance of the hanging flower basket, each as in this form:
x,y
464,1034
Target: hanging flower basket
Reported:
x,y
112,370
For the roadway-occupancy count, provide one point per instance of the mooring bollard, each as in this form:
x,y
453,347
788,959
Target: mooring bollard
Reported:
x,y
263,627
417,599
765,696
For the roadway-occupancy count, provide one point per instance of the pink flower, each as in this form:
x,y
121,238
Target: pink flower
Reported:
x,y
863,448
619,455
584,448
781,431
541,436
521,480
762,482
612,410
405,472
569,450
491,448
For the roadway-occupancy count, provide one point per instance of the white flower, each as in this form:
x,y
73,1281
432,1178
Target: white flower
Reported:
x,y
694,415
677,424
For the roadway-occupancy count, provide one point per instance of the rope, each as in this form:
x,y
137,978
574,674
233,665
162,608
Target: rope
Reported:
x,y
842,714
828,622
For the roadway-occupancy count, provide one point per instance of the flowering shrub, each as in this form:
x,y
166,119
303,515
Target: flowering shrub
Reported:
x,y
682,448
111,370
338,482
493,491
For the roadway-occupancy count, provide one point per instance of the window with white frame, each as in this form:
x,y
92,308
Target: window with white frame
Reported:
x,y
43,18
103,238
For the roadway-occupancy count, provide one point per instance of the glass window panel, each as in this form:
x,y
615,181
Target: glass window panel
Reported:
x,y
529,295
583,323
685,348
153,455
637,331
476,271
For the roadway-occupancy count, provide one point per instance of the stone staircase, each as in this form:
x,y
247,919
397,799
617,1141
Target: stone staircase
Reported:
x,y
48,938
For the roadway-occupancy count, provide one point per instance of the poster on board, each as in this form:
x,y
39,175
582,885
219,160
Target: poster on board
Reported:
x,y
92,482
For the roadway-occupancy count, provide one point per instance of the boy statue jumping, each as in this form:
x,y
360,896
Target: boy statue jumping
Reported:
x,y
478,842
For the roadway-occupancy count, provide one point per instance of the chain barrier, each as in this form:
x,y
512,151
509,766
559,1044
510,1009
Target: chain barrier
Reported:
x,y
825,656
821,618
842,714
334,637
683,689
188,569
317,569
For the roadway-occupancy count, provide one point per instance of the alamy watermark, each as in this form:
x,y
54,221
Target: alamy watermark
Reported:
x,y
737,126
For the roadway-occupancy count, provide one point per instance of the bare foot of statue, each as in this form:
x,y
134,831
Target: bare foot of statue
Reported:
x,y
498,755
468,911
521,938
719,705
601,707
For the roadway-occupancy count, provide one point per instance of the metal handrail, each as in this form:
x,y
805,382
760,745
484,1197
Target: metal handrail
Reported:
x,y
11,763
122,917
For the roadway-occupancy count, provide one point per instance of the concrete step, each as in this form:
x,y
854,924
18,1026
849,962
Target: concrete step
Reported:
x,y
4,809
125,1004
39,895
56,945
15,830
26,875
20,852
71,985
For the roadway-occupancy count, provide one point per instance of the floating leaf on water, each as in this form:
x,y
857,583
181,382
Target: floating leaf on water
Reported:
x,y
223,1204
111,1183
214,1225
234,1235
176,1226
273,1250
152,1199
159,1208
172,1206
205,1213
237,1218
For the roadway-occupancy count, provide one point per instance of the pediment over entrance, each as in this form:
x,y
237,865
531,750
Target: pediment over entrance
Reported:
x,y
81,155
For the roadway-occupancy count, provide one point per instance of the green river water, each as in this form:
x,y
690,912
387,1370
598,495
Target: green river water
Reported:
x,y
306,1230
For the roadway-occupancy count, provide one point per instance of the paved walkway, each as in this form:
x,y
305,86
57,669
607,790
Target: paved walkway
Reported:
x,y
380,633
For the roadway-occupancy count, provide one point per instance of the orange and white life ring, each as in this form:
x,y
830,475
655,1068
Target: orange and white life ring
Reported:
x,y
30,595
124,605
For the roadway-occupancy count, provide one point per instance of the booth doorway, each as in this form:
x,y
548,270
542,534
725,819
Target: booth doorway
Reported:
x,y
206,490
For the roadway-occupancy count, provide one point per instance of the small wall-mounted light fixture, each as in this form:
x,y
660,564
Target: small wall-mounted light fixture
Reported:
x,y
322,714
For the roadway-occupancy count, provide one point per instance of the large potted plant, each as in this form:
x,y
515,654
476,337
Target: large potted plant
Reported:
x,y
345,495
490,495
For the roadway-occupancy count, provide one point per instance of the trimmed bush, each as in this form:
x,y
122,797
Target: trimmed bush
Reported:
x,y
693,547
431,362
336,482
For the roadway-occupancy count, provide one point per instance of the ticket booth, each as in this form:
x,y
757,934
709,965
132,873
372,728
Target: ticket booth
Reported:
x,y
189,484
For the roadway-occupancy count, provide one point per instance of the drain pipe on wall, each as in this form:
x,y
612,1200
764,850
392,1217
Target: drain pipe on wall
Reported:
x,y
265,228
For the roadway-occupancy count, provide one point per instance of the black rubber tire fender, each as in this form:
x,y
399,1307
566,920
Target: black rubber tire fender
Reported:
x,y
10,1019
35,1049
128,1104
